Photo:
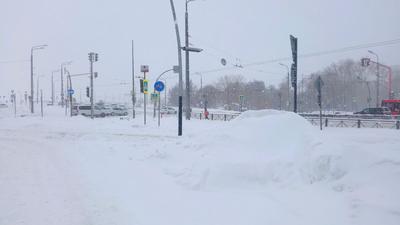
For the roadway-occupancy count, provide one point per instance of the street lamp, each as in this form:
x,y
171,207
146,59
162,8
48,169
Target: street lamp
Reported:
x,y
38,47
62,80
288,84
188,49
377,77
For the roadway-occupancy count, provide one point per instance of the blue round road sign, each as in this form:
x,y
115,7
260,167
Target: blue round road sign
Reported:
x,y
71,91
159,86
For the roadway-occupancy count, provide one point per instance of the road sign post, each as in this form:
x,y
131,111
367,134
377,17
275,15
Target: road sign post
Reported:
x,y
159,86
145,69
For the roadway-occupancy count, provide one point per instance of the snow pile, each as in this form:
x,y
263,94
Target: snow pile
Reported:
x,y
259,149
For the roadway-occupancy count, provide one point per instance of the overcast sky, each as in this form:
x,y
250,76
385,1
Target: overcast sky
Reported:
x,y
241,31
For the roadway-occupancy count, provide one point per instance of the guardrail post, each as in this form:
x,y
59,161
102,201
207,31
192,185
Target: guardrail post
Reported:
x,y
212,116
200,115
224,117
358,123
326,122
398,125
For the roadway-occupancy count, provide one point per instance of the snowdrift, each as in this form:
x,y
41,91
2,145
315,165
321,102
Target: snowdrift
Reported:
x,y
259,149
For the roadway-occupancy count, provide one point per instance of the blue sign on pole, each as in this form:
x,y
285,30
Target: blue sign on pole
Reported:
x,y
159,86
71,91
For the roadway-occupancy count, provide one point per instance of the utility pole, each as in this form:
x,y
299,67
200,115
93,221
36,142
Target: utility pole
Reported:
x,y
62,81
93,57
318,85
377,77
178,40
144,98
14,101
37,90
165,93
293,43
133,83
288,85
187,83
31,97
62,85
41,102
188,49
52,89
38,47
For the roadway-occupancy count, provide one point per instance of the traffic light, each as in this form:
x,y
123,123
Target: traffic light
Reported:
x,y
96,57
141,85
145,86
88,92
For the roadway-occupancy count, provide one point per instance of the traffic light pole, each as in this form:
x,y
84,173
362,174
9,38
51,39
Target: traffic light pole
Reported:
x,y
91,89
144,100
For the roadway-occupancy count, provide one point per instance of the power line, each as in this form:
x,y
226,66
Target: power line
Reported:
x,y
314,54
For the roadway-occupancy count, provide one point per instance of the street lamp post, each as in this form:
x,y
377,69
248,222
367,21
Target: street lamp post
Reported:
x,y
38,47
178,40
288,85
377,77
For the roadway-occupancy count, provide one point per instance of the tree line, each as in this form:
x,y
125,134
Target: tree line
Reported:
x,y
347,87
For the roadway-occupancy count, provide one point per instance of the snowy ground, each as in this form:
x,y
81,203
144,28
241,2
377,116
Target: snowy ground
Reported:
x,y
265,167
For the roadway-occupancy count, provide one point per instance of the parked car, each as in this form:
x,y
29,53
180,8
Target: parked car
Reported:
x,y
375,111
168,110
106,109
85,110
119,110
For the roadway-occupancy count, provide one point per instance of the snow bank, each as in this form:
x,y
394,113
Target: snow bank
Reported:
x,y
258,149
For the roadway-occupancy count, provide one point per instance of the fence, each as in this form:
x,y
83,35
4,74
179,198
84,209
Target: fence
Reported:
x,y
356,122
215,116
328,120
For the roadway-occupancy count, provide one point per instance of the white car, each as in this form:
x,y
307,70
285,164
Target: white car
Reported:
x,y
85,110
168,110
119,110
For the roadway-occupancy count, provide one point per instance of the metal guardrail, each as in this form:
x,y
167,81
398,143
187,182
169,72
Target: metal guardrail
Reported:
x,y
353,116
355,122
215,116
